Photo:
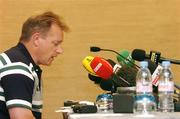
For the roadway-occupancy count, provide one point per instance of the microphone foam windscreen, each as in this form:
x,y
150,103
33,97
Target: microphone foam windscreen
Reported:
x,y
106,85
128,61
128,74
124,76
96,79
86,64
138,54
101,67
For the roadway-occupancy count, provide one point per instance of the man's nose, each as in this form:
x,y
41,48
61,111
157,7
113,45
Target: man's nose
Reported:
x,y
59,50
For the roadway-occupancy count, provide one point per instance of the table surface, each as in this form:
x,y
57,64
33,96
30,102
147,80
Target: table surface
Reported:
x,y
157,115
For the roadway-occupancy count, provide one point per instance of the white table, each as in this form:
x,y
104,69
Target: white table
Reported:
x,y
158,115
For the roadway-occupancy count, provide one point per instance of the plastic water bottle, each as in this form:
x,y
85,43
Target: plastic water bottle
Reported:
x,y
144,102
166,89
104,103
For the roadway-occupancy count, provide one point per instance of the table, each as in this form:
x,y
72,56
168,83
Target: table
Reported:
x,y
157,115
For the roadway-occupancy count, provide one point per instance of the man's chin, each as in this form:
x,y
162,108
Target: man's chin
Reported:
x,y
47,63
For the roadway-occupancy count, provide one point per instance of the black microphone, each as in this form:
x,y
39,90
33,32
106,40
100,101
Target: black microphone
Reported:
x,y
140,55
97,49
95,79
108,85
124,76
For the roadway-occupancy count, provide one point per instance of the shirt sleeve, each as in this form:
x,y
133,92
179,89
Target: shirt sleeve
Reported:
x,y
18,85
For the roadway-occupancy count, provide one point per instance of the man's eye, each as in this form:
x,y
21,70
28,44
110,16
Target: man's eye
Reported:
x,y
56,43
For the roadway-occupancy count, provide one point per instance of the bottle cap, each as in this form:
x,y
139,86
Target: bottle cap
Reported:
x,y
166,63
144,64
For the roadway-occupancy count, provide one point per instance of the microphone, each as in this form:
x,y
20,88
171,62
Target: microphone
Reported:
x,y
95,79
123,61
103,84
124,76
101,67
141,55
108,85
107,70
103,72
86,64
97,49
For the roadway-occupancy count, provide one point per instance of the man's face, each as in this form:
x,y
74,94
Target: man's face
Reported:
x,y
50,46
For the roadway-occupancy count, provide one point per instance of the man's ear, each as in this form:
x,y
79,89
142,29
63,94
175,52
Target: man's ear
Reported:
x,y
35,39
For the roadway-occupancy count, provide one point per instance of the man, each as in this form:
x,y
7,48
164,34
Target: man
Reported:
x,y
20,74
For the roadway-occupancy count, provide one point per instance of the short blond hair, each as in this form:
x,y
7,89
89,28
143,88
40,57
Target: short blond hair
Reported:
x,y
41,23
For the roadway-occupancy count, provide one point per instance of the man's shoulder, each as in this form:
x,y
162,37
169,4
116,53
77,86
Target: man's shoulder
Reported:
x,y
8,68
14,58
15,55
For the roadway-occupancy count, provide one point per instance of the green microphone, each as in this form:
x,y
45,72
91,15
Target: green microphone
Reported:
x,y
128,61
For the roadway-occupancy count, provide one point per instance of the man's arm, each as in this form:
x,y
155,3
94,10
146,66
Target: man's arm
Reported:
x,y
20,113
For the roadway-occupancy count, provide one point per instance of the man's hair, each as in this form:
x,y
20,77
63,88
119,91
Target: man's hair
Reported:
x,y
41,23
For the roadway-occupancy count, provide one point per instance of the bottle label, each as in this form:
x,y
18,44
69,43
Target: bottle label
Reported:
x,y
163,86
143,88
156,75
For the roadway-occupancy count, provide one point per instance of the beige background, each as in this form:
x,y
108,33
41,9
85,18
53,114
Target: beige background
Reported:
x,y
114,24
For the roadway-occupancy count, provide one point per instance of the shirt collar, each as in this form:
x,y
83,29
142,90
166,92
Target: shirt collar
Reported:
x,y
24,50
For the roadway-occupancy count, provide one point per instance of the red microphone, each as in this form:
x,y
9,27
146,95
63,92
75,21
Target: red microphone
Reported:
x,y
101,67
